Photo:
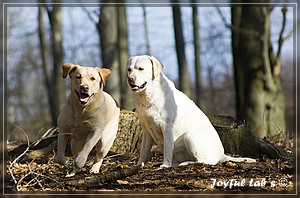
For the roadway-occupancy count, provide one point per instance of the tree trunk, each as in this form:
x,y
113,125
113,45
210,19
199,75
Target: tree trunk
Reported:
x,y
183,74
126,95
108,32
45,59
260,95
238,71
53,76
56,81
198,77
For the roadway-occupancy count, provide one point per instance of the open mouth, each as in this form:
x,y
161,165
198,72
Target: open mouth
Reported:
x,y
83,97
136,88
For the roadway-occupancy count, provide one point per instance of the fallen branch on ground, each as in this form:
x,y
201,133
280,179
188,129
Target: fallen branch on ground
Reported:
x,y
97,180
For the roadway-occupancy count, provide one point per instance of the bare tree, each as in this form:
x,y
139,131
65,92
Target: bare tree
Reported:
x,y
112,27
54,83
260,96
184,80
126,96
198,76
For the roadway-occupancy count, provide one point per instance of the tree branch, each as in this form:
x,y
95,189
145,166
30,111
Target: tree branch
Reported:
x,y
227,25
281,39
234,28
90,16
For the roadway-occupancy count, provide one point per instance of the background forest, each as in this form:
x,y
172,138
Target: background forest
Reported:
x,y
231,60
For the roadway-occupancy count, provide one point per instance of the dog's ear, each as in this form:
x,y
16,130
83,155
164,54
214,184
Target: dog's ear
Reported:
x,y
68,68
129,62
156,66
104,73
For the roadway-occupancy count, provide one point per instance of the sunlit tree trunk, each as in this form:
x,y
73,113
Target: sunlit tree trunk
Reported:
x,y
108,32
112,27
260,96
126,95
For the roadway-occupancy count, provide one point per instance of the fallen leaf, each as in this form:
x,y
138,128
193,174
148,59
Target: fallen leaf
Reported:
x,y
231,164
122,182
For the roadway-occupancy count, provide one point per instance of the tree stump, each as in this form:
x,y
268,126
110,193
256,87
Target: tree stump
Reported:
x,y
129,134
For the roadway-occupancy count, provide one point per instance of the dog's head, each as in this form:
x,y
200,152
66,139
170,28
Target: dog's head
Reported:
x,y
141,70
85,81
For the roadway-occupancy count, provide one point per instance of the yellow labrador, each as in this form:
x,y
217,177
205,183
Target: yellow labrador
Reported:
x,y
90,117
170,119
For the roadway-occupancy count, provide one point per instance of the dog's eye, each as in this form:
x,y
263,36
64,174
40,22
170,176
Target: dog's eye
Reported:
x,y
78,76
141,69
129,70
92,78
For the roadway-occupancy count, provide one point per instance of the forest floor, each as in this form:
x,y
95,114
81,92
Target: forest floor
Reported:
x,y
44,175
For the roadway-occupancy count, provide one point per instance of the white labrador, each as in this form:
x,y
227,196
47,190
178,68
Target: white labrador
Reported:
x,y
170,119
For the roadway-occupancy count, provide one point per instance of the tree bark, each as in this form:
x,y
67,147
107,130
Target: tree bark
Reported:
x,y
260,97
183,74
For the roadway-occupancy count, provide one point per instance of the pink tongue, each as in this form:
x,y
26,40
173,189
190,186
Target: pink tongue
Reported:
x,y
84,99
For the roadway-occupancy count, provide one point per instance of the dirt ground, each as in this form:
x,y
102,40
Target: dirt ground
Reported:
x,y
44,175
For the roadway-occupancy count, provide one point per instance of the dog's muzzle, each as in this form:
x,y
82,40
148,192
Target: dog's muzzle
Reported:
x,y
83,94
136,88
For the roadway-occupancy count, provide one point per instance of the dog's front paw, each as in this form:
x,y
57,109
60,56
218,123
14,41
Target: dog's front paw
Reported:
x,y
96,167
165,165
74,171
80,161
140,164
61,160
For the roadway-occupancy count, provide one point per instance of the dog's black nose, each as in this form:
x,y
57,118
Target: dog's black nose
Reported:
x,y
84,88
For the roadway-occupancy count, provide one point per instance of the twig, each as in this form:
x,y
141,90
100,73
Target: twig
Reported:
x,y
19,182
236,28
281,39
17,158
227,25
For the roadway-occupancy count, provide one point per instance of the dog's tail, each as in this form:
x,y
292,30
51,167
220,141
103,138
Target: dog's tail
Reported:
x,y
237,159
